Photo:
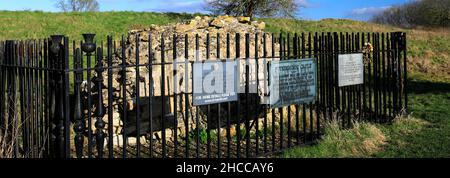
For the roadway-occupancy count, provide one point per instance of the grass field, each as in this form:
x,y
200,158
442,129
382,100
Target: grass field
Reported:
x,y
425,134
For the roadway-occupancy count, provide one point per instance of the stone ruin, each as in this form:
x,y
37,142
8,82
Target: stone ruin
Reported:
x,y
150,40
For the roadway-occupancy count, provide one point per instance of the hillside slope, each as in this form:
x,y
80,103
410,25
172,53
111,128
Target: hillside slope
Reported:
x,y
429,69
428,50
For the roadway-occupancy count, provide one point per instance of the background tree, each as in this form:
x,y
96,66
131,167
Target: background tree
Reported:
x,y
78,5
251,8
426,13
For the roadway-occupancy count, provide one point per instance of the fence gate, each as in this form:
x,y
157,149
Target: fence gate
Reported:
x,y
67,100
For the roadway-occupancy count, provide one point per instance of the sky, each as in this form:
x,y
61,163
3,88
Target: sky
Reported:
x,y
312,9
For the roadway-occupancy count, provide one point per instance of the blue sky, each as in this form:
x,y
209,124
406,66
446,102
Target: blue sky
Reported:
x,y
313,9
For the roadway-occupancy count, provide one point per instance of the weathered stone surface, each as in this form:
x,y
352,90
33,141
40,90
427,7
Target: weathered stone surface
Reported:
x,y
150,79
244,19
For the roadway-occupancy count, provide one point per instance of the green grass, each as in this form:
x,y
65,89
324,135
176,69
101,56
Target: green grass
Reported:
x,y
428,49
430,102
37,24
360,141
427,135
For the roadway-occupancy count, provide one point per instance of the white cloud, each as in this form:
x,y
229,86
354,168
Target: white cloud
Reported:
x,y
180,6
366,13
303,3
369,10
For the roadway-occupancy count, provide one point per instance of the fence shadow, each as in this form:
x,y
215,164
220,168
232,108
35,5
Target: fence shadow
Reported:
x,y
421,87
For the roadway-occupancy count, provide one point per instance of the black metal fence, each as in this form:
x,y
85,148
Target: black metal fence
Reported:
x,y
48,111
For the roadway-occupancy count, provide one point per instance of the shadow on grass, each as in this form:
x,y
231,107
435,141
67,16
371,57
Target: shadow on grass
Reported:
x,y
422,87
428,101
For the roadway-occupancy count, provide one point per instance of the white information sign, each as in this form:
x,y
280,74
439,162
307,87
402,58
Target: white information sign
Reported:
x,y
351,69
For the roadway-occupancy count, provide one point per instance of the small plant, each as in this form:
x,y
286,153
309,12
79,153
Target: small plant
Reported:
x,y
203,135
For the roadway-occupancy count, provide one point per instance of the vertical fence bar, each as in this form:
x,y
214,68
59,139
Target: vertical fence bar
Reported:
x,y
389,74
273,110
354,87
38,145
374,82
33,98
369,77
405,71
303,50
42,146
12,116
317,102
289,141
65,63
321,74
337,89
175,95
265,91
297,107
208,115
137,90
2,78
343,109
228,105
280,110
110,98
364,96
330,74
197,121
186,95
24,118
22,47
399,69
79,126
398,73
238,103
28,46
348,88
89,98
383,64
311,119
376,75
150,95
163,97
394,77
58,115
219,122
124,99
247,95
325,74
27,56
2,81
36,101
304,105
380,76
47,99
100,108
256,119
9,54
358,87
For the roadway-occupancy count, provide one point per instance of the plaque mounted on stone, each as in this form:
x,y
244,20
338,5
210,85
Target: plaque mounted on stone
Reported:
x,y
292,82
214,82
351,69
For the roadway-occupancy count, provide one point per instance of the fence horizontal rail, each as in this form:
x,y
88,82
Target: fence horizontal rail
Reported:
x,y
135,97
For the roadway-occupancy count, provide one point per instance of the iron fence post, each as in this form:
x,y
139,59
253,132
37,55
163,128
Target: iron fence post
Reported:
x,y
58,119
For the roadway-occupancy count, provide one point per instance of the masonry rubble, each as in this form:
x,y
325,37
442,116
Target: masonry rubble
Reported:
x,y
150,47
